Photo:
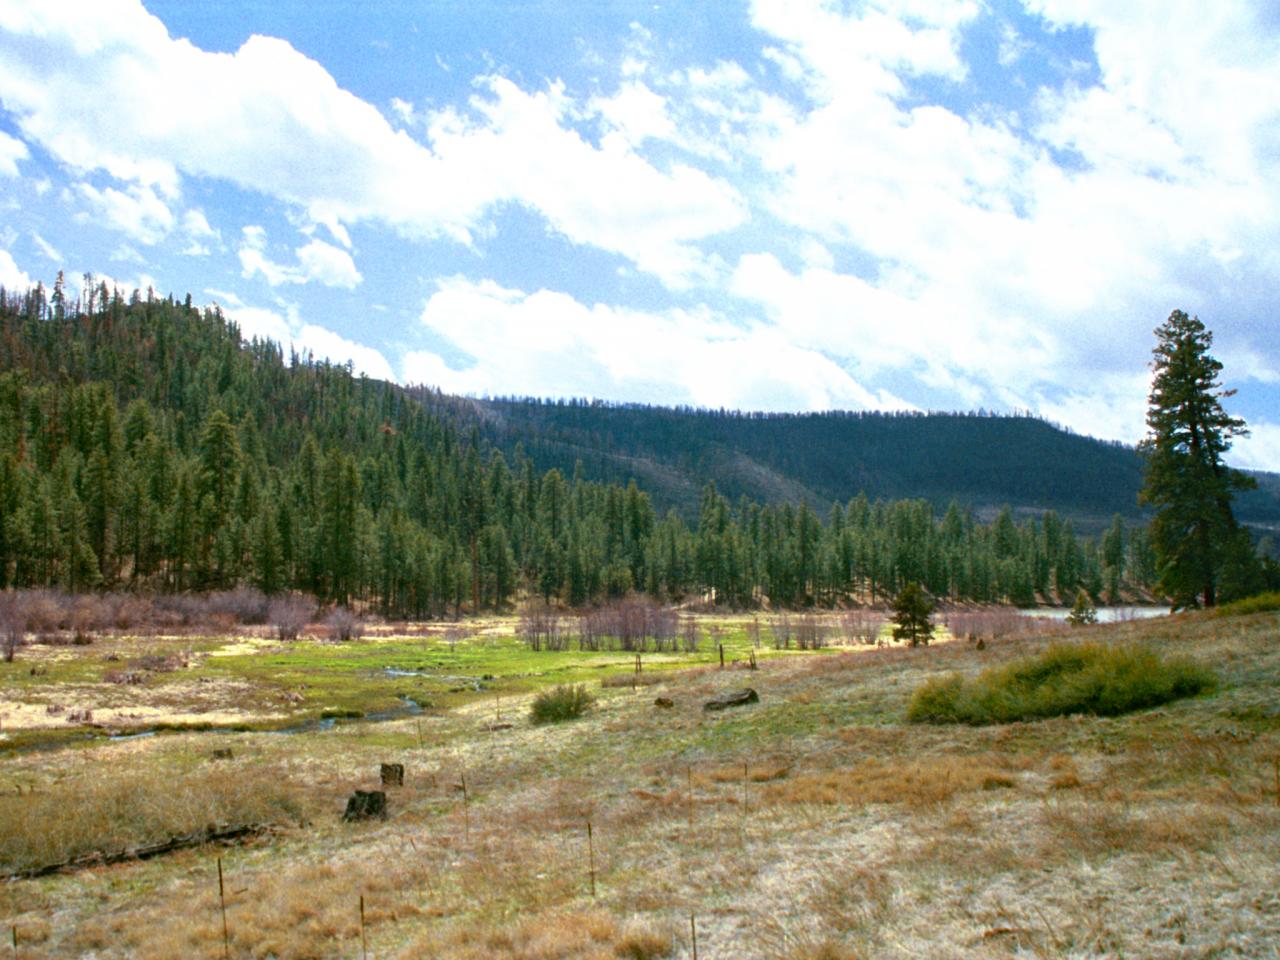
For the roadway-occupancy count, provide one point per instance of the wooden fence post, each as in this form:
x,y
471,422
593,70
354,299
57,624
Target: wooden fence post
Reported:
x,y
591,854
364,946
222,901
689,781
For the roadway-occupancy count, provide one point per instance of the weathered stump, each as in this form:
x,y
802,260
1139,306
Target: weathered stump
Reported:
x,y
393,774
222,753
666,703
736,699
366,805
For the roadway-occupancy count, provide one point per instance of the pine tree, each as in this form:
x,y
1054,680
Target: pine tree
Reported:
x,y
1194,532
1083,612
911,612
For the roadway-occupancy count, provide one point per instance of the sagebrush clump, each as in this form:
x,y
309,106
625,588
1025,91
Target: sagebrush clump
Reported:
x,y
563,702
1066,679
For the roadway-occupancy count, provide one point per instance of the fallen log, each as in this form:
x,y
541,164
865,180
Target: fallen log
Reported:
x,y
212,834
736,699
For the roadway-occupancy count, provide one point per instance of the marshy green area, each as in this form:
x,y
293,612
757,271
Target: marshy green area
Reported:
x,y
254,683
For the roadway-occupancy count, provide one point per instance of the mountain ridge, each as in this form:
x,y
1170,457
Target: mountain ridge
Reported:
x,y
983,460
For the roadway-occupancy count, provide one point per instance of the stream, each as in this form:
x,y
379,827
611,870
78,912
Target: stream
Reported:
x,y
311,725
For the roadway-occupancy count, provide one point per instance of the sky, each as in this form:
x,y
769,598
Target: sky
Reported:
x,y
767,204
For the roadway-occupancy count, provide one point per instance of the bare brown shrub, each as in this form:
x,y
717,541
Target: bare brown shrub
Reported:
x,y
541,626
288,614
633,624
13,624
782,630
344,624
861,625
811,632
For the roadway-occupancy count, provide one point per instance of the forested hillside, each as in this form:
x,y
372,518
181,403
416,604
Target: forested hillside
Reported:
x,y
983,461
145,445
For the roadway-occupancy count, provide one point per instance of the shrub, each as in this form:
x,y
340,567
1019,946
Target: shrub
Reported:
x,y
541,626
1258,603
344,624
288,615
13,623
243,605
861,625
1065,679
563,702
989,623
629,624
46,610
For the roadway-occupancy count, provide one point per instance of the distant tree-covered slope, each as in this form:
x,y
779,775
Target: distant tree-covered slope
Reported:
x,y
983,461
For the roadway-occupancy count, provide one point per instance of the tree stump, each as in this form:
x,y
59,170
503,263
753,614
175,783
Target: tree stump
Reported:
x,y
666,703
366,805
222,753
736,699
393,774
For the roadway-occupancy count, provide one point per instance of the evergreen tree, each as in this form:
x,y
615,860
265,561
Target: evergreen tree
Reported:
x,y
911,612
1083,612
1194,533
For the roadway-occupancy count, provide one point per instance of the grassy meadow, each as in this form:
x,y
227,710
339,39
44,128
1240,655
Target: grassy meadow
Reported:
x,y
820,822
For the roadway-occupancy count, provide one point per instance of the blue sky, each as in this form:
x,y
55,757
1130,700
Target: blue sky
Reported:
x,y
778,204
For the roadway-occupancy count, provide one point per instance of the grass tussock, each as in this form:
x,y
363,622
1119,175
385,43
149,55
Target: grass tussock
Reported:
x,y
560,703
568,935
1258,603
912,781
107,816
1092,829
642,679
1066,679
760,772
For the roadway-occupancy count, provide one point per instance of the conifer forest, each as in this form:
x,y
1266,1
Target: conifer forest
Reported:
x,y
146,445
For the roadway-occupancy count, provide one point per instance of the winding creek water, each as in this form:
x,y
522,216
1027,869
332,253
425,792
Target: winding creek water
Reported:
x,y
1105,614
311,725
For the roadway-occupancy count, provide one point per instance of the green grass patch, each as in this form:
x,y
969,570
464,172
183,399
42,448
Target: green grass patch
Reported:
x,y
563,702
1258,603
1066,679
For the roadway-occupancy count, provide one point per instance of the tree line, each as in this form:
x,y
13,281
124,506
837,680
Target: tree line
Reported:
x,y
145,444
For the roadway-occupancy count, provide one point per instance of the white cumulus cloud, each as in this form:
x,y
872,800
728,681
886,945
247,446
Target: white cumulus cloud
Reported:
x,y
552,345
317,260
11,151
12,278
71,69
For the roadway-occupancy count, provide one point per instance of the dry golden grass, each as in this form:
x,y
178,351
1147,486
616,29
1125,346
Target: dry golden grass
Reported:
x,y
1156,834
1065,773
99,814
568,935
914,781
757,772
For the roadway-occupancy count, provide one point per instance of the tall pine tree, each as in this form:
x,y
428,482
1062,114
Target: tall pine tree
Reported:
x,y
1194,533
